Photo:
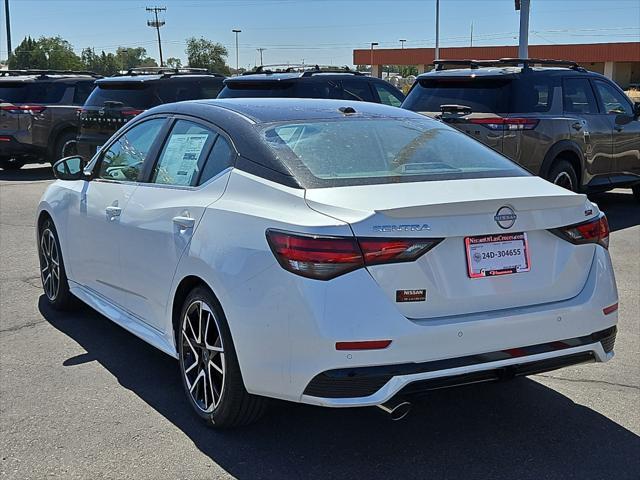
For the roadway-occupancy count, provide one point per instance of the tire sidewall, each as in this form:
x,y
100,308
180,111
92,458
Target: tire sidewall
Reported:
x,y
64,295
563,166
64,138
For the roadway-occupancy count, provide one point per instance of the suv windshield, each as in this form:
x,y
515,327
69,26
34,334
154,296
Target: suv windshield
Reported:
x,y
369,151
32,92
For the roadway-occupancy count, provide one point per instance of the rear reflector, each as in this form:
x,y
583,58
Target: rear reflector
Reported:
x,y
610,309
497,123
366,345
326,257
591,231
5,139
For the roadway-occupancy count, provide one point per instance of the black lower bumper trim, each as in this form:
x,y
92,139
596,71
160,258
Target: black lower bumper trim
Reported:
x,y
365,381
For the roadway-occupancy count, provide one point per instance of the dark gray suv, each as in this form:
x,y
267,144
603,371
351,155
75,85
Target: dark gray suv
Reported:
x,y
573,127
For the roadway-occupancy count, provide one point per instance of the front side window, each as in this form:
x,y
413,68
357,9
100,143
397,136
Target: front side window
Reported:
x,y
369,151
387,95
183,154
577,96
123,160
612,101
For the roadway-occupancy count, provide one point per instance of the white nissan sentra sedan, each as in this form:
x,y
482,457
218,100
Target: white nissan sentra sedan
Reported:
x,y
335,253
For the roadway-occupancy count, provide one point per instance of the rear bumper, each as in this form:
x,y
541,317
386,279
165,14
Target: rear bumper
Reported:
x,y
12,148
377,384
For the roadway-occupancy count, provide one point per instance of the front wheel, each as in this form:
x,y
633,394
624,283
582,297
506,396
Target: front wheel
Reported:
x,y
209,366
52,271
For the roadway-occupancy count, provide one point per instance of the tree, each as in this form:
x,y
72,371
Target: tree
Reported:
x,y
45,53
203,53
174,62
104,64
127,58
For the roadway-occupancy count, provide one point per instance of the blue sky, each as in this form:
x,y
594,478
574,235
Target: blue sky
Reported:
x,y
318,31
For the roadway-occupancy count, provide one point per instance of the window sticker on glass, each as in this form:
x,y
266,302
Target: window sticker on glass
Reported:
x,y
179,162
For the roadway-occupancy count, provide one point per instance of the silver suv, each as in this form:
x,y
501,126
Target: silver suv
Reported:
x,y
39,114
573,127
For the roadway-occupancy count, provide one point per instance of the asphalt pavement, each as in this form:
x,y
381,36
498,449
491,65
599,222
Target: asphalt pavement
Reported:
x,y
82,398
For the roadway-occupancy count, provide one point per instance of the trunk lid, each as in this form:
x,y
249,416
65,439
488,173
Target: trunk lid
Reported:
x,y
456,209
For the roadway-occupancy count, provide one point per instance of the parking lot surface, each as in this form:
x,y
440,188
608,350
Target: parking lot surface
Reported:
x,y
82,398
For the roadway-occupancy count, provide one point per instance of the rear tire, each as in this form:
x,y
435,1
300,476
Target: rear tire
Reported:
x,y
52,271
11,164
564,175
209,366
66,145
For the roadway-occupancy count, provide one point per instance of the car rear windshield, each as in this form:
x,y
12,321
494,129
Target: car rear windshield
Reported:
x,y
147,95
524,94
383,150
297,89
32,92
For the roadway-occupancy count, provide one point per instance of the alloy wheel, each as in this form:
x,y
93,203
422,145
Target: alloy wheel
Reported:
x,y
202,356
49,264
563,179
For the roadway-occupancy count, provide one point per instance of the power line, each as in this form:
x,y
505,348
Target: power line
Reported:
x,y
157,24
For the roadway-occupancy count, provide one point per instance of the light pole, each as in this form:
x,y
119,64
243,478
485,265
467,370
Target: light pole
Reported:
x,y
261,50
402,40
437,52
6,13
373,44
523,43
237,62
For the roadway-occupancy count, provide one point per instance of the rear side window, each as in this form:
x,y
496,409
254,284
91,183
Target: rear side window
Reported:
x,y
220,158
183,154
81,92
388,96
531,94
357,90
485,96
370,151
32,92
577,96
125,95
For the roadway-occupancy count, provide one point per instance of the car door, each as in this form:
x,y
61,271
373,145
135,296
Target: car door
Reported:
x,y
591,130
162,215
94,226
626,129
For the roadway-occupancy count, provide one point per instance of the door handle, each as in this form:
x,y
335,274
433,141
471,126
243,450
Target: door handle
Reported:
x,y
184,222
576,126
113,212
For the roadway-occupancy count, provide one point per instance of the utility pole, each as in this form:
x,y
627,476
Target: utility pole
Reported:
x,y
471,42
437,52
402,40
236,31
523,44
6,14
261,50
373,44
157,24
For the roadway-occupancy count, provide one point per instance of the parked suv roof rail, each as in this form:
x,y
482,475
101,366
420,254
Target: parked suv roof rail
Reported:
x,y
45,73
305,70
525,62
166,71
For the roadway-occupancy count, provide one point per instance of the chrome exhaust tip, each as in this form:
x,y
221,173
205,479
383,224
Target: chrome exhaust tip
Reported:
x,y
397,409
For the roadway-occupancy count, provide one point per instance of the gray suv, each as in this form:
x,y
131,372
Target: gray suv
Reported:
x,y
573,127
39,114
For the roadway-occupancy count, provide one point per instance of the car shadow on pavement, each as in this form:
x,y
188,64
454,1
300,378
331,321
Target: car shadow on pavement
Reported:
x,y
519,429
27,174
621,208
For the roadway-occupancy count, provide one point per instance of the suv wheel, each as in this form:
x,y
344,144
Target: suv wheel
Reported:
x,y
563,174
11,164
52,271
209,366
66,145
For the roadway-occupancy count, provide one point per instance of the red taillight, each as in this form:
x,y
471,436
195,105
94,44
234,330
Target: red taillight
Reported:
x,y
326,257
23,108
364,345
131,112
497,123
592,231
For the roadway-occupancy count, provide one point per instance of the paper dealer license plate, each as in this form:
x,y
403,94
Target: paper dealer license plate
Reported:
x,y
492,255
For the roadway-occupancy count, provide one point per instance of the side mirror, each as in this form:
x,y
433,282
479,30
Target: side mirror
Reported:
x,y
70,168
